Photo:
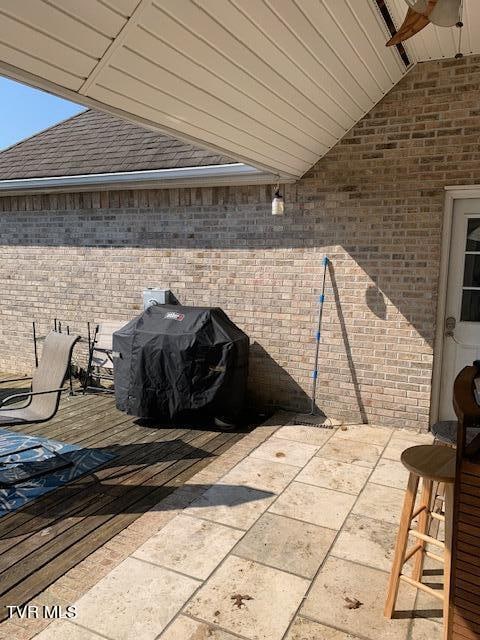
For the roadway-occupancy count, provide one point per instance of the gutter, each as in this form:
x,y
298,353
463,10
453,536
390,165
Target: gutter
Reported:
x,y
208,176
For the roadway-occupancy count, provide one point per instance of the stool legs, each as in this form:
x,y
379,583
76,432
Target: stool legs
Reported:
x,y
423,527
401,546
437,507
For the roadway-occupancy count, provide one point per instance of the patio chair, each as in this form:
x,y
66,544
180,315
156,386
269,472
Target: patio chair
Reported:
x,y
41,404
100,362
46,387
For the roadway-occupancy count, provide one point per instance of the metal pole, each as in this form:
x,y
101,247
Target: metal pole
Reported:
x,y
318,337
35,343
70,375
90,358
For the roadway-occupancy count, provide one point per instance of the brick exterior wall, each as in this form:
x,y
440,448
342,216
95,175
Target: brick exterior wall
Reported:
x,y
374,205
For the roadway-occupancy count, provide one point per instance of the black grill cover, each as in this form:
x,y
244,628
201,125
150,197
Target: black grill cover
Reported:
x,y
176,362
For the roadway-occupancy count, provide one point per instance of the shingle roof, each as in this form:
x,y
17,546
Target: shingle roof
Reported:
x,y
95,142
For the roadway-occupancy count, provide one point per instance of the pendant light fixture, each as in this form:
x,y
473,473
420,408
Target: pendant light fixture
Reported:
x,y
278,203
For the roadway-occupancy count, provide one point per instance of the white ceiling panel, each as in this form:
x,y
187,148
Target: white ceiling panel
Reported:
x,y
273,83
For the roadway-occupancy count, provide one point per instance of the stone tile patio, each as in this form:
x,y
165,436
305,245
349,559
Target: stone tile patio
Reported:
x,y
290,530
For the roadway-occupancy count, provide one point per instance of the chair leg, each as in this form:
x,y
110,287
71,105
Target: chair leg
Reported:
x,y
91,348
423,527
401,545
437,507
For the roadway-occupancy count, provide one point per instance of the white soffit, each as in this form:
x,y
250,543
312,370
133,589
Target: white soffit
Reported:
x,y
435,43
273,83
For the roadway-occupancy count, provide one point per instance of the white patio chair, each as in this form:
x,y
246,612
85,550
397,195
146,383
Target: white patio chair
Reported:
x,y
100,362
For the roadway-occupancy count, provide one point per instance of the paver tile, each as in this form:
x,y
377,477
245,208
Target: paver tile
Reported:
x,y
380,503
232,505
285,451
390,474
290,545
136,600
365,433
250,599
261,474
323,507
189,545
309,435
396,446
185,628
335,475
63,629
366,541
304,629
341,583
351,451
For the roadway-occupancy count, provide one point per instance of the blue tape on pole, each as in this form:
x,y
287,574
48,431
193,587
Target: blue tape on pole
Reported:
x,y
314,374
321,297
317,335
325,261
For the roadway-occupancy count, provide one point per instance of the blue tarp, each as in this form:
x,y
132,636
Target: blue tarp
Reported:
x,y
38,451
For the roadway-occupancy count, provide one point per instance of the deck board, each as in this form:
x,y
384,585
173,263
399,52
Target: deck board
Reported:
x,y
49,536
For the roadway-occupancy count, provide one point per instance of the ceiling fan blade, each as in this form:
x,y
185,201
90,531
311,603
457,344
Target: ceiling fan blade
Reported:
x,y
413,23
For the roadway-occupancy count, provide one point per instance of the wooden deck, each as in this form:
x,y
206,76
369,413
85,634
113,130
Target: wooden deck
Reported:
x,y
49,536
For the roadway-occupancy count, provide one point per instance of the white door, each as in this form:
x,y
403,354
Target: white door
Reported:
x,y
462,317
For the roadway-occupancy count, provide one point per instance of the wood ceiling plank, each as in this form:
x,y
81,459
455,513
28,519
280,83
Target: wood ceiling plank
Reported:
x,y
205,89
47,19
328,46
163,26
280,21
95,13
179,117
276,60
42,47
22,60
221,40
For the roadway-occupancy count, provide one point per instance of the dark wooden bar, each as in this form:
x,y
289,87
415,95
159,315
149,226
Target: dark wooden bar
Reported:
x,y
464,619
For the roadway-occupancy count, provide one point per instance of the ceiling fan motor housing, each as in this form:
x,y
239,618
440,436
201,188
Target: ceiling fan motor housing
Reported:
x,y
443,13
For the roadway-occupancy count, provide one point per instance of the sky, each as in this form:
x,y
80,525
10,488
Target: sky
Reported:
x,y
25,111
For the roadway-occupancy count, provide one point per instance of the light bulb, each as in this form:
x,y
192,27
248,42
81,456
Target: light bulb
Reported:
x,y
278,204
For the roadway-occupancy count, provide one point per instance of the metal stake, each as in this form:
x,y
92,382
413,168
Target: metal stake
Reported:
x,y
325,262
35,343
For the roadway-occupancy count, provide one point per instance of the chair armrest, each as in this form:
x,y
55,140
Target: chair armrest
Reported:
x,y
16,379
29,394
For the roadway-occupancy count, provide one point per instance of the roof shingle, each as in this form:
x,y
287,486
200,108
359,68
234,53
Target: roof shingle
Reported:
x,y
95,142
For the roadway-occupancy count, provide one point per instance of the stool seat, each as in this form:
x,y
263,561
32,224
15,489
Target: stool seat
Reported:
x,y
431,462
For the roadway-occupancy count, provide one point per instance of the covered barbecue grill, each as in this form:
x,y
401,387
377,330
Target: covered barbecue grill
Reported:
x,y
175,362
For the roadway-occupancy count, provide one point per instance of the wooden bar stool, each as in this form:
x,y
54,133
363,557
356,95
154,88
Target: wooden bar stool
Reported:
x,y
432,464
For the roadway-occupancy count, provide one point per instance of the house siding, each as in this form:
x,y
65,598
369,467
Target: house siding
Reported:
x,y
374,205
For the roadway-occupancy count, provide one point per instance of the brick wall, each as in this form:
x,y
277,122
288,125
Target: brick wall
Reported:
x,y
373,205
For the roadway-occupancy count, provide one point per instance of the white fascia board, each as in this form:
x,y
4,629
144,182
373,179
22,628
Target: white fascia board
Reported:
x,y
208,176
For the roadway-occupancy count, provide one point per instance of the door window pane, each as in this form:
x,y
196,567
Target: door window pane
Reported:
x,y
471,276
470,306
473,235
